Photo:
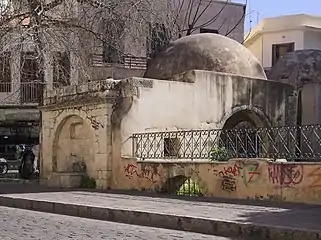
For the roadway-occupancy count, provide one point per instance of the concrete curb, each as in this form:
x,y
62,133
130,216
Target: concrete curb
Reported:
x,y
17,180
192,224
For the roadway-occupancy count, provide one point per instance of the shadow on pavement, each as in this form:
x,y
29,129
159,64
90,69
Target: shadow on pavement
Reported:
x,y
294,218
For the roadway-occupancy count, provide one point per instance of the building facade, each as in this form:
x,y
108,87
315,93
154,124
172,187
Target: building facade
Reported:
x,y
221,17
180,19
273,37
71,56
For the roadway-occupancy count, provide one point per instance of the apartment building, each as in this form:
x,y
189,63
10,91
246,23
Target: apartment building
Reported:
x,y
273,37
185,17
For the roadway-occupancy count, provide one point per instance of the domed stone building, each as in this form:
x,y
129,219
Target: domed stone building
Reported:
x,y
199,82
298,68
302,69
211,52
236,72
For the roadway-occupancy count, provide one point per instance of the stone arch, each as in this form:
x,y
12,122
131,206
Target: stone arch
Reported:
x,y
73,146
253,116
182,185
239,136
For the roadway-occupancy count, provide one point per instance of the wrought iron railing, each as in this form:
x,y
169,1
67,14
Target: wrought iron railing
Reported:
x,y
27,93
126,61
296,143
5,87
30,92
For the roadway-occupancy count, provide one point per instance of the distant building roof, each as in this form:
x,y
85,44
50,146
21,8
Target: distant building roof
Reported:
x,y
281,23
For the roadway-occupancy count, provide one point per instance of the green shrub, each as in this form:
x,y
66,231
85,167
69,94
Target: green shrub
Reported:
x,y
219,154
87,182
189,188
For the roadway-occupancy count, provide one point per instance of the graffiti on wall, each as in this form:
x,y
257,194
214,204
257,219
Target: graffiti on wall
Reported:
x,y
251,172
146,173
228,183
248,171
315,176
231,170
251,178
285,174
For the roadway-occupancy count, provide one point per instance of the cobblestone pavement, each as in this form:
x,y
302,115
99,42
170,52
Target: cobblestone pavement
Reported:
x,y
306,217
16,224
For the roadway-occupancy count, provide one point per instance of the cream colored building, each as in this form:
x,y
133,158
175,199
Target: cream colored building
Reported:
x,y
273,37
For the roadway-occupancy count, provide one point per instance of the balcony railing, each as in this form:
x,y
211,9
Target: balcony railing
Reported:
x,y
28,93
5,87
296,143
127,61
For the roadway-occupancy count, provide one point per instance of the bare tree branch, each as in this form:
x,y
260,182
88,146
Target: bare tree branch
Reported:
x,y
83,28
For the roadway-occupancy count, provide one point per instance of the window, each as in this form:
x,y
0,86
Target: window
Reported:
x,y
61,69
113,44
159,37
5,71
209,30
278,50
30,71
76,130
171,147
111,54
31,78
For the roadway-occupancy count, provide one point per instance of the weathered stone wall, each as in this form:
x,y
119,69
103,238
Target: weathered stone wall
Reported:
x,y
92,124
239,178
76,131
104,72
202,100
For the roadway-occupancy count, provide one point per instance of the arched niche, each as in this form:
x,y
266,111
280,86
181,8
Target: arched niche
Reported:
x,y
73,147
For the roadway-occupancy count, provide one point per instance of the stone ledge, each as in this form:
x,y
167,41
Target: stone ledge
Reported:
x,y
175,222
14,179
65,179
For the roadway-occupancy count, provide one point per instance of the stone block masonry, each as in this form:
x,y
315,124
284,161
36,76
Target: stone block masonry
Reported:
x,y
258,179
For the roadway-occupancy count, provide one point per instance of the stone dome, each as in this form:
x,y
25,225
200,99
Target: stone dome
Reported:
x,y
298,67
206,51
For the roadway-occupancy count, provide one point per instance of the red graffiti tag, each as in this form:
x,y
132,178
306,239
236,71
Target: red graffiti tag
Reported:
x,y
253,171
316,175
233,170
132,170
285,174
247,170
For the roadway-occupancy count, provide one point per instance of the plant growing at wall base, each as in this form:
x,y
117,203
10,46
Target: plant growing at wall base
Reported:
x,y
87,182
219,154
189,188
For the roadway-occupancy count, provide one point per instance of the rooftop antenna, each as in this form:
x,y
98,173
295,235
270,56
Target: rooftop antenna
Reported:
x,y
250,14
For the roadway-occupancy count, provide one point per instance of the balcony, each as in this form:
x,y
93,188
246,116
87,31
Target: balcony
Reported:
x,y
127,61
5,87
30,93
26,94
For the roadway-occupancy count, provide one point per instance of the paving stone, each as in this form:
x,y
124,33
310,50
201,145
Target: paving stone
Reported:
x,y
215,218
17,224
299,217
